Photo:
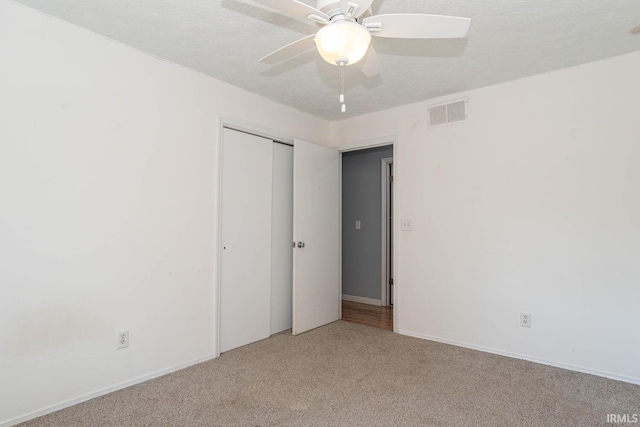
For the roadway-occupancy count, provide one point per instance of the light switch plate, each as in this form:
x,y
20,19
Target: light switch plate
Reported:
x,y
406,224
357,225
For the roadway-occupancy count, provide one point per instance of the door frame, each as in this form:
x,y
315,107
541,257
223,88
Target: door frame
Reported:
x,y
362,145
385,235
242,126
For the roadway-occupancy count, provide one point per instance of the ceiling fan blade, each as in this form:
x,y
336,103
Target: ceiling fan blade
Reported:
x,y
295,8
371,64
289,51
417,26
363,5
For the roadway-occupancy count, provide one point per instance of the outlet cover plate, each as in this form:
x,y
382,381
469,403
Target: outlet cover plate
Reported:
x,y
122,339
525,320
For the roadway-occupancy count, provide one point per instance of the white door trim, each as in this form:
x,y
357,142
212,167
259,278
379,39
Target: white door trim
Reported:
x,y
243,126
385,273
370,143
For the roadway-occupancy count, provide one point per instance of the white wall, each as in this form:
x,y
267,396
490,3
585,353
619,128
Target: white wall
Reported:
x,y
108,183
532,204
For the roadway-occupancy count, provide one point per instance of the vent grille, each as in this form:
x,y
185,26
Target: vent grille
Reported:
x,y
438,115
448,113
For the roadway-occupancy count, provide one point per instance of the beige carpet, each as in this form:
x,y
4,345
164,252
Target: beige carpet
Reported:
x,y
345,374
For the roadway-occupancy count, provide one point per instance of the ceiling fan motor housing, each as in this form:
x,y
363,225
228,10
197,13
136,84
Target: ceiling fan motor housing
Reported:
x,y
332,8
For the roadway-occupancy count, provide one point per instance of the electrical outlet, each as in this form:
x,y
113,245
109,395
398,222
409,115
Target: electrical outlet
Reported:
x,y
122,339
525,320
406,224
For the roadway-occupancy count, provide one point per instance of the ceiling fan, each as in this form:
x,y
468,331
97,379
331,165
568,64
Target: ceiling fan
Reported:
x,y
346,29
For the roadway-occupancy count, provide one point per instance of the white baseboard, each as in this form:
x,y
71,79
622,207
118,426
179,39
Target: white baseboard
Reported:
x,y
101,392
362,300
624,378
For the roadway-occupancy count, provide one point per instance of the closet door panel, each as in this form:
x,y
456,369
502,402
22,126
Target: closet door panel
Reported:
x,y
281,238
245,261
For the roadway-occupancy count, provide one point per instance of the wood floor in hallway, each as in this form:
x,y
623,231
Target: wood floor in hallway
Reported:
x,y
365,314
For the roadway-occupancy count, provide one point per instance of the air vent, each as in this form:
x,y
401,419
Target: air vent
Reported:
x,y
438,115
448,113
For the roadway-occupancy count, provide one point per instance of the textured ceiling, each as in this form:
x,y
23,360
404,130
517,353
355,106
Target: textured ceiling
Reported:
x,y
507,39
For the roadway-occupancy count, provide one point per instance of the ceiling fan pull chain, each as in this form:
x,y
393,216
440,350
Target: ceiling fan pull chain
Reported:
x,y
343,107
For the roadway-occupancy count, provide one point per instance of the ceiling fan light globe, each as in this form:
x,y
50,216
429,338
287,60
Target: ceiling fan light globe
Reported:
x,y
343,39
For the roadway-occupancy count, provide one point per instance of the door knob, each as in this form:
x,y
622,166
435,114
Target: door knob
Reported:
x,y
301,244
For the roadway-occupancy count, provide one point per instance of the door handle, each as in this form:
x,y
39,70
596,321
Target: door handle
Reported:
x,y
301,244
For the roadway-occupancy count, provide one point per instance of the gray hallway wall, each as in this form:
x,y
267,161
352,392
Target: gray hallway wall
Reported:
x,y
361,201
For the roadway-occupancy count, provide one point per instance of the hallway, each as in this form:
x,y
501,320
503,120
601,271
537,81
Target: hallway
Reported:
x,y
365,314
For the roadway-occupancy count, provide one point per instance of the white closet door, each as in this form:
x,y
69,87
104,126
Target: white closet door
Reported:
x,y
245,265
281,238
316,219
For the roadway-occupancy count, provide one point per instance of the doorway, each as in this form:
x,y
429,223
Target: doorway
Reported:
x,y
367,238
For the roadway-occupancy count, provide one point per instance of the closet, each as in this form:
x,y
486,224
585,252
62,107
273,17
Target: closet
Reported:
x,y
256,236
272,195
